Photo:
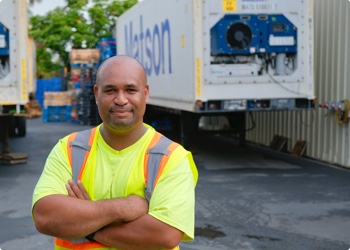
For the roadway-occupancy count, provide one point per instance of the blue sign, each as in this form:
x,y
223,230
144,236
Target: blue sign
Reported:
x,y
4,41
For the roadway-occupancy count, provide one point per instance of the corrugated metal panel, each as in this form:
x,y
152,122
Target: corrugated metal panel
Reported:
x,y
327,141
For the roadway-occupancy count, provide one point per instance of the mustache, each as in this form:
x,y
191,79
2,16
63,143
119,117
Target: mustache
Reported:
x,y
120,108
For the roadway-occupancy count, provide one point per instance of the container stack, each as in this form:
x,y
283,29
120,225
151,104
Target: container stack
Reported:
x,y
47,85
107,47
57,106
87,112
84,65
80,58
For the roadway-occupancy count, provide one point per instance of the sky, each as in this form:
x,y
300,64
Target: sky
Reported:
x,y
45,5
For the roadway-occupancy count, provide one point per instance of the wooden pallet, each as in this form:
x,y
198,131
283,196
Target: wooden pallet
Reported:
x,y
299,148
13,158
279,143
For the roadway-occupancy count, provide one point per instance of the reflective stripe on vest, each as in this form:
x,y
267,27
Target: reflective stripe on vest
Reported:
x,y
67,245
78,148
158,153
61,244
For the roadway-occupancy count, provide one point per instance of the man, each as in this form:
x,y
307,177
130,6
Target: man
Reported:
x,y
107,204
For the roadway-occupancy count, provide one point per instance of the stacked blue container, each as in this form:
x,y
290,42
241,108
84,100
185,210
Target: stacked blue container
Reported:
x,y
108,48
47,85
56,113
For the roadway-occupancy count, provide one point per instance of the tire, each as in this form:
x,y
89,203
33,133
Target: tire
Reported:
x,y
21,122
12,126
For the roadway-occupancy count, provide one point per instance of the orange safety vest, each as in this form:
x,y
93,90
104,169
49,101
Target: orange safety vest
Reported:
x,y
79,145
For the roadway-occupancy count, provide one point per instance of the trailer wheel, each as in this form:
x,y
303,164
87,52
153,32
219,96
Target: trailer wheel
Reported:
x,y
21,126
12,126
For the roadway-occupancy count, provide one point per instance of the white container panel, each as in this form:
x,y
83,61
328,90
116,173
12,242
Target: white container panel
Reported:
x,y
326,140
185,44
31,65
240,80
14,85
160,34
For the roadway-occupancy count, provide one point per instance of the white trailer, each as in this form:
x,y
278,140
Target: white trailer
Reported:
x,y
222,57
17,64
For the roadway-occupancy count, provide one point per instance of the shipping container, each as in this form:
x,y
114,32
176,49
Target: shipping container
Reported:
x,y
326,129
17,68
222,57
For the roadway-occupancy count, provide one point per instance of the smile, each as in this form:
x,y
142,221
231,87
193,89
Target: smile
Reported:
x,y
120,111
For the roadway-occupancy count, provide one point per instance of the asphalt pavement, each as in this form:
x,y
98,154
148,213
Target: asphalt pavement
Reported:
x,y
247,198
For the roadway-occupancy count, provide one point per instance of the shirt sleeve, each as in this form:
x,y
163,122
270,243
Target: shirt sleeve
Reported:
x,y
55,175
173,199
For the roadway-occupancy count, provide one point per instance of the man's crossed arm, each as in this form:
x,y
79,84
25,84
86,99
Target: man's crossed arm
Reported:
x,y
75,216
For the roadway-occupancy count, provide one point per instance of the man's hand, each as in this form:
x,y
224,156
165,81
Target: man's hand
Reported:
x,y
77,190
134,206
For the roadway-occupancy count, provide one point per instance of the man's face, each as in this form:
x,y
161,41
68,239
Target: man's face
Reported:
x,y
121,95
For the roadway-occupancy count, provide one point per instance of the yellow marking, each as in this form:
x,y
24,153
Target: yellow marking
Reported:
x,y
24,70
229,5
198,72
183,41
7,103
24,79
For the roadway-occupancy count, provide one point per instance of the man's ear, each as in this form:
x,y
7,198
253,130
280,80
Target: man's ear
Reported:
x,y
147,93
95,93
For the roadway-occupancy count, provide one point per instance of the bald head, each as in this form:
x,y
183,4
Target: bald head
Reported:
x,y
121,61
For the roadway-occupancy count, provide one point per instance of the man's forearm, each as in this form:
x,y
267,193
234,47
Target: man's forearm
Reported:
x,y
67,217
145,233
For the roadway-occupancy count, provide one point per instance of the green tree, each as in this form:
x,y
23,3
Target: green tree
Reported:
x,y
31,2
75,26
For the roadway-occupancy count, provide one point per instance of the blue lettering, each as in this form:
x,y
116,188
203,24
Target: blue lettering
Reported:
x,y
166,28
152,47
148,42
141,38
155,36
136,46
129,43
